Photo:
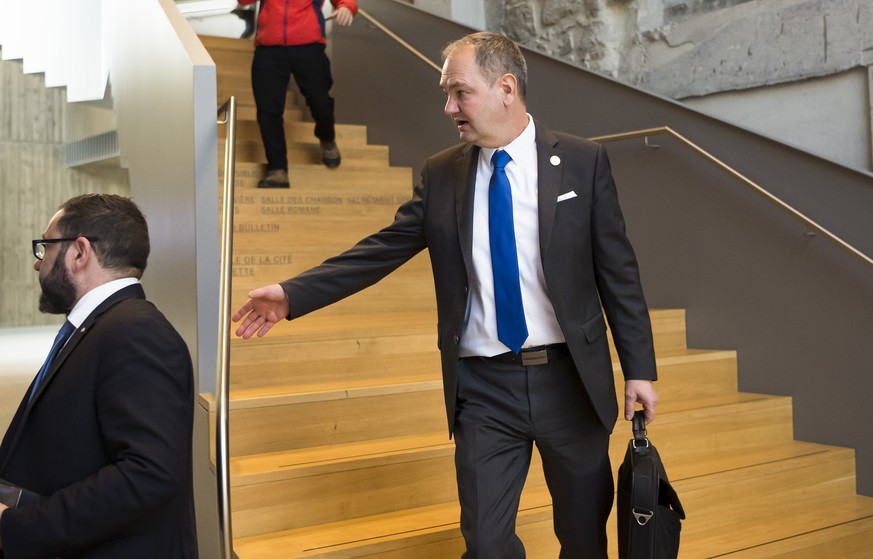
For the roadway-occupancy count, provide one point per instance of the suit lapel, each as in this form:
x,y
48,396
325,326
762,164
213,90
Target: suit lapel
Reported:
x,y
465,188
27,404
80,333
65,352
10,440
550,165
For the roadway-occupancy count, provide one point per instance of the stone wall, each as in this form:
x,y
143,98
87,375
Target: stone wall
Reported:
x,y
685,48
767,65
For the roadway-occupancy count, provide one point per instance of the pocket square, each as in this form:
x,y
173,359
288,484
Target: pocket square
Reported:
x,y
566,196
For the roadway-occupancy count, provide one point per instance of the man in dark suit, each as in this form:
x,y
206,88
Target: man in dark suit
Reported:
x,y
100,446
573,262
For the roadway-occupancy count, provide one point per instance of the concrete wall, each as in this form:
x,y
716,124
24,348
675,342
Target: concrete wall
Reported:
x,y
825,115
33,182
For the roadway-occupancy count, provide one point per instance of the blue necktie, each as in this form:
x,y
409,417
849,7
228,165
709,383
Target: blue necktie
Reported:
x,y
63,335
511,327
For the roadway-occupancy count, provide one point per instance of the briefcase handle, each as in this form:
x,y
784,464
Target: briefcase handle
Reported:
x,y
639,427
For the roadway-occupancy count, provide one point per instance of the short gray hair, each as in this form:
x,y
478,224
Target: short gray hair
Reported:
x,y
495,55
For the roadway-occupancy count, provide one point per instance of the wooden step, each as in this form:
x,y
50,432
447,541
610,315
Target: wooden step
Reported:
x,y
752,504
847,540
301,231
230,58
317,327
385,476
739,419
384,296
742,412
251,272
690,374
432,531
239,79
245,103
279,422
299,131
740,509
240,68
360,185
356,417
696,374
245,110
365,186
406,341
263,365
669,334
322,212
400,473
310,153
400,291
216,43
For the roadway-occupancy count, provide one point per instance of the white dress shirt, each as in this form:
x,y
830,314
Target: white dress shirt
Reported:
x,y
91,300
479,337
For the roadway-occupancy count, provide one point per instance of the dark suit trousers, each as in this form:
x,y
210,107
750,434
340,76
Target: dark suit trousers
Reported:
x,y
502,410
272,68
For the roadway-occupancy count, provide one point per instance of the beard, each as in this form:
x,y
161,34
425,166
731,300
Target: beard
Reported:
x,y
58,292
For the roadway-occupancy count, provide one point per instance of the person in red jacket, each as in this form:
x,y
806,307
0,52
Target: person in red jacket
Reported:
x,y
291,41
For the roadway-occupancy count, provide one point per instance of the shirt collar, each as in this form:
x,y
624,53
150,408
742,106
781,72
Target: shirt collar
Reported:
x,y
91,300
517,147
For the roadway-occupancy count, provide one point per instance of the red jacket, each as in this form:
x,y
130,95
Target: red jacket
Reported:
x,y
294,22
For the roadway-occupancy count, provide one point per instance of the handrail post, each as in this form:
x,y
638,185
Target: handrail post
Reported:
x,y
222,381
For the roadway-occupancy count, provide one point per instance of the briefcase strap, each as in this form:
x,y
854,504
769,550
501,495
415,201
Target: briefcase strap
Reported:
x,y
639,427
10,495
645,485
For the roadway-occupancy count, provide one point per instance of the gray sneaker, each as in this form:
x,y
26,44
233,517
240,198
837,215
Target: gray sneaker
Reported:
x,y
330,155
275,178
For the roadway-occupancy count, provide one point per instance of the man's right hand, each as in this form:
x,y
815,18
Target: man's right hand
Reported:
x,y
343,16
264,309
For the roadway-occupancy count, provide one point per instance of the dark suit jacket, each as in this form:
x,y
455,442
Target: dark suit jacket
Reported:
x,y
106,442
588,261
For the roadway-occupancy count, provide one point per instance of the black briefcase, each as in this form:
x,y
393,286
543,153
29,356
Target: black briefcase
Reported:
x,y
649,511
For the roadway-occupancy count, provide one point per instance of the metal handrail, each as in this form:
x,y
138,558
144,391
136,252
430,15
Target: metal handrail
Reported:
x,y
809,222
394,36
222,376
766,194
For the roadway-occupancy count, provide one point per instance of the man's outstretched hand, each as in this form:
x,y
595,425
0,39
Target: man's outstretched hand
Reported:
x,y
264,309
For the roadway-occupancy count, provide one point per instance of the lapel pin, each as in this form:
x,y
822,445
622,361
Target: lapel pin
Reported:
x,y
555,160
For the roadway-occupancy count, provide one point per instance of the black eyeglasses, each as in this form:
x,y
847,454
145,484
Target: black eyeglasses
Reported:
x,y
39,245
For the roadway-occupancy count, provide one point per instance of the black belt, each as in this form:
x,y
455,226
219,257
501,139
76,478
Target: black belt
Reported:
x,y
539,355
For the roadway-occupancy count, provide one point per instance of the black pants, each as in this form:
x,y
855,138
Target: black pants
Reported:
x,y
272,68
502,409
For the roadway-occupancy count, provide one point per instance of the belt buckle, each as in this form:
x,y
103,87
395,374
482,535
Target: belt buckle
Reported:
x,y
539,357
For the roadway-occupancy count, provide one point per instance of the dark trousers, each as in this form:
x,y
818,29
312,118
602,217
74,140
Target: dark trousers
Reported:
x,y
272,68
502,409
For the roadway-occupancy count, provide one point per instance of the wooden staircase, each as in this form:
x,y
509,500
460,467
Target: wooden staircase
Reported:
x,y
338,436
